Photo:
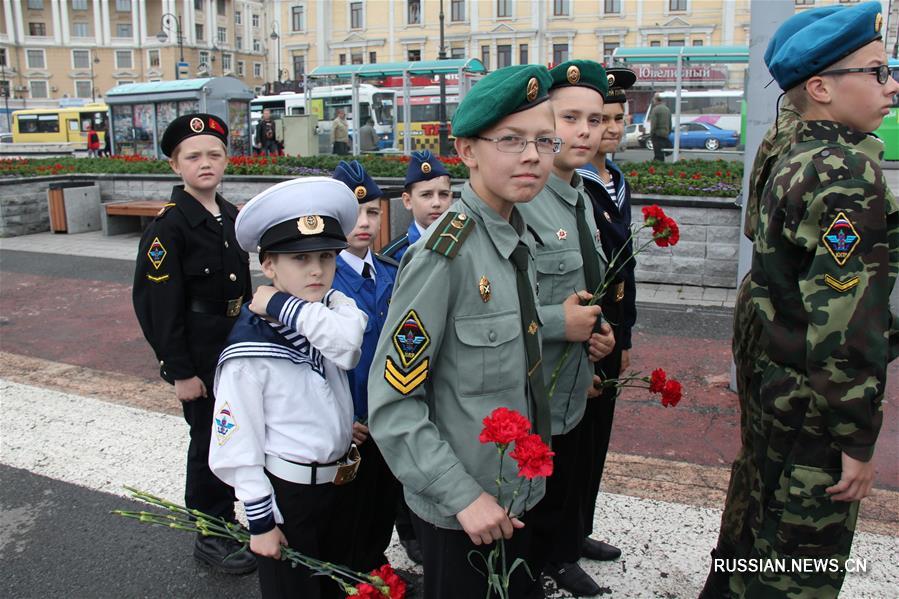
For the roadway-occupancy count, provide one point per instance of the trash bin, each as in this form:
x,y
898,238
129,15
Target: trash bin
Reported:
x,y
74,207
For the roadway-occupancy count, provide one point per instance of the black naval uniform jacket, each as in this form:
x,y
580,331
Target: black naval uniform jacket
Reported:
x,y
189,283
615,229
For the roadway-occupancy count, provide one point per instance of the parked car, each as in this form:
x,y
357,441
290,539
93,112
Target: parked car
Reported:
x,y
702,135
634,135
5,138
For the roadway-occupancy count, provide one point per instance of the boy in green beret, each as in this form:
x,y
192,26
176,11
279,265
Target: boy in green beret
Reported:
x,y
824,264
569,258
462,339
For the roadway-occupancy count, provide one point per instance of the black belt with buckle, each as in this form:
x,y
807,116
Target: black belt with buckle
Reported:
x,y
229,308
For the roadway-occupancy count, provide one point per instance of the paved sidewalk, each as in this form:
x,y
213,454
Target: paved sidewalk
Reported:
x,y
124,247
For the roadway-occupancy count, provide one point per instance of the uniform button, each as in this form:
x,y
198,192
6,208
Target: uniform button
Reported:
x,y
492,335
561,266
232,276
206,270
162,362
226,243
825,153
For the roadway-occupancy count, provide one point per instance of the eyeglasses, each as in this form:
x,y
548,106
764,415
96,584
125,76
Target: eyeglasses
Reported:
x,y
882,71
515,144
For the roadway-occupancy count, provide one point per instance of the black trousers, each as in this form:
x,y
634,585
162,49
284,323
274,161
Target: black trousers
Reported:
x,y
309,525
658,144
341,148
204,491
450,575
556,520
404,528
367,507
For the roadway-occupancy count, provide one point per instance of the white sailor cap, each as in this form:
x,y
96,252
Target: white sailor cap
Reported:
x,y
308,214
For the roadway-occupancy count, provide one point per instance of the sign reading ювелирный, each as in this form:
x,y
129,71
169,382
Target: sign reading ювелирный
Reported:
x,y
668,73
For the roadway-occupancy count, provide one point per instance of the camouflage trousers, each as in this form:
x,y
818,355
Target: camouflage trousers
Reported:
x,y
777,512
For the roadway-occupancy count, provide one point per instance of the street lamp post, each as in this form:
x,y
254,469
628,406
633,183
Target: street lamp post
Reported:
x,y
277,38
442,129
166,23
5,91
93,60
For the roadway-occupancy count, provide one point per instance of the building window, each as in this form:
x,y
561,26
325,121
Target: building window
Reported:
x,y
123,30
677,5
560,53
240,68
79,4
81,59
3,62
125,82
4,88
805,2
35,4
608,48
413,55
503,56
204,59
342,58
257,46
222,35
298,18
485,56
655,44
83,88
413,12
198,4
457,52
356,58
299,67
227,62
255,20
523,54
37,29
220,7
123,59
35,59
257,70
38,89
561,8
355,15
612,7
503,8
237,20
80,30
372,57
238,41
697,42
153,59
198,32
123,5
676,42
457,10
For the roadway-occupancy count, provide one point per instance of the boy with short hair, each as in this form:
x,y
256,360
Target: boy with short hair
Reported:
x,y
427,195
283,415
462,339
570,267
824,264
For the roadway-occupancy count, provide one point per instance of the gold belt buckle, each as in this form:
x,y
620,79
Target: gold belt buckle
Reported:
x,y
234,307
619,292
346,472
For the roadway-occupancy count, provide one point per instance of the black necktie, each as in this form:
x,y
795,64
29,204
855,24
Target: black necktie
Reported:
x,y
592,274
531,345
366,270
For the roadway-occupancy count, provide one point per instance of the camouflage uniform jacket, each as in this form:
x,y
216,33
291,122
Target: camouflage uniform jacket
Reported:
x,y
825,261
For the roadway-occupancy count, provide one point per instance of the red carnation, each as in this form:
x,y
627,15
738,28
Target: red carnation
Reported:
x,y
666,232
504,426
696,176
364,590
652,170
718,173
634,173
396,584
671,393
533,456
683,175
652,215
657,380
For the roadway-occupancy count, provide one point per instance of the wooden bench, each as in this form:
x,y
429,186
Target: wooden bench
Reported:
x,y
128,217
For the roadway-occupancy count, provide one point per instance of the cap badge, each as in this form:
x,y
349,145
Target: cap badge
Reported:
x,y
214,125
573,74
360,192
533,89
484,289
878,22
562,234
196,125
426,167
310,225
611,79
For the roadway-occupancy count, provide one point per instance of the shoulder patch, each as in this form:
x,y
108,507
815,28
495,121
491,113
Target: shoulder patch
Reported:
x,y
387,260
449,235
395,244
164,209
225,425
156,253
410,339
841,238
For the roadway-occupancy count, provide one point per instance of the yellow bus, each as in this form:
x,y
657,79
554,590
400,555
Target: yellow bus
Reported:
x,y
59,125
424,115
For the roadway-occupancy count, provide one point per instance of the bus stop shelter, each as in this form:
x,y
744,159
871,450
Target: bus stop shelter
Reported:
x,y
142,111
682,56
468,70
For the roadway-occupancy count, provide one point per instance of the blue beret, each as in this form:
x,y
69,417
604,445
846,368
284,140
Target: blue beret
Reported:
x,y
424,166
306,214
360,183
822,42
191,125
499,94
581,73
798,22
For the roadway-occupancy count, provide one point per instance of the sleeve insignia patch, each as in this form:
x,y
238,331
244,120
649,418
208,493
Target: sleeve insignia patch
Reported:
x,y
841,238
225,425
410,339
841,286
159,279
156,253
406,382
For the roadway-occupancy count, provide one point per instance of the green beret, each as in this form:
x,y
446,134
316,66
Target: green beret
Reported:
x,y
499,94
581,73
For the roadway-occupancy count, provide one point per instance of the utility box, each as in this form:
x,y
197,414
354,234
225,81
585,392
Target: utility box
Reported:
x,y
74,207
300,134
